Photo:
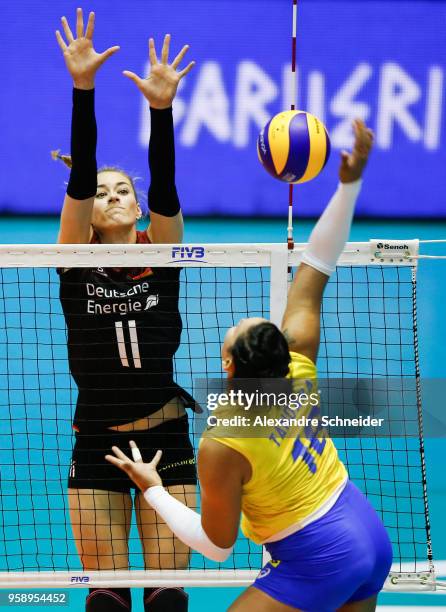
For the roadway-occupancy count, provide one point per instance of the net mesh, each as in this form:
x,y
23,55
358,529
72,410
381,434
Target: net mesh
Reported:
x,y
367,332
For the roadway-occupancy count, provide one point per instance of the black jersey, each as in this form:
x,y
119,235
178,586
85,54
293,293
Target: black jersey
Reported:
x,y
124,328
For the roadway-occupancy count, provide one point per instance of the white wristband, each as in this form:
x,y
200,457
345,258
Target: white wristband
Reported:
x,y
185,523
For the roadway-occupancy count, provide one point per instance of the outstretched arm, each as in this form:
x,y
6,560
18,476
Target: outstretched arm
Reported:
x,y
301,321
82,63
166,220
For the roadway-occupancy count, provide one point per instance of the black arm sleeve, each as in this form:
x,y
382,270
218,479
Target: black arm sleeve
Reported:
x,y
83,177
163,197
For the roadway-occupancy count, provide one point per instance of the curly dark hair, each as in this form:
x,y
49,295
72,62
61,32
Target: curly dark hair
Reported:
x,y
261,352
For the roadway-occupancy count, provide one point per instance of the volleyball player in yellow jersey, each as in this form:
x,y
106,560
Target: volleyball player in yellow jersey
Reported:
x,y
330,551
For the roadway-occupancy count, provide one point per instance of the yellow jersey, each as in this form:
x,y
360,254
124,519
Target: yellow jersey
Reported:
x,y
294,481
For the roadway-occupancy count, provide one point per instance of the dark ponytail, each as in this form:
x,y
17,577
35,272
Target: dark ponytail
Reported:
x,y
262,352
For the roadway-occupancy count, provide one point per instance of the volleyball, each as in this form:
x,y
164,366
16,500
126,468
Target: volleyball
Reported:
x,y
294,146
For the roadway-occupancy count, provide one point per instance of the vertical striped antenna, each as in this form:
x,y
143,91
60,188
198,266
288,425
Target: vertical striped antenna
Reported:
x,y
290,238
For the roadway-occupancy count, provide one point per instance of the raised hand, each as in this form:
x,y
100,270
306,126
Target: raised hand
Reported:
x,y
160,87
144,475
353,164
80,57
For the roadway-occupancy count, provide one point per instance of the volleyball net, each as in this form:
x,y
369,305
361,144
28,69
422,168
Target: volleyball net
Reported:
x,y
369,332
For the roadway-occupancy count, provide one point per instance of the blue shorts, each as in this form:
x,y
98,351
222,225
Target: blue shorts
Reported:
x,y
344,556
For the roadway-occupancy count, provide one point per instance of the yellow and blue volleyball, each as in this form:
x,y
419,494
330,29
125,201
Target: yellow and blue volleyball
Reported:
x,y
294,146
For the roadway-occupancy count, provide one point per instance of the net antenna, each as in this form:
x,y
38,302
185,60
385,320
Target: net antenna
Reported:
x,y
290,237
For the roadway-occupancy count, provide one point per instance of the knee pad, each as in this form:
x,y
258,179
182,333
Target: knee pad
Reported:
x,y
108,600
168,599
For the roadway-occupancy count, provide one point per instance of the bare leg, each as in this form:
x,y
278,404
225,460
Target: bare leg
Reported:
x,y
365,605
254,599
162,550
101,523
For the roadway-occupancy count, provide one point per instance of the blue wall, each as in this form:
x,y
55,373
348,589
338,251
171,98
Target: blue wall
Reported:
x,y
382,61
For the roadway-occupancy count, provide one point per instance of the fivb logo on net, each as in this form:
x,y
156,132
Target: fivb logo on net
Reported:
x,y
80,579
188,253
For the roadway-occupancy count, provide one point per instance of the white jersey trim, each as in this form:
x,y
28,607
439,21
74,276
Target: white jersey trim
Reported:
x,y
311,518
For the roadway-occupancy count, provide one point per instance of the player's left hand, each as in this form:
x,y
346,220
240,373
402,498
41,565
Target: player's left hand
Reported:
x,y
160,87
144,475
353,164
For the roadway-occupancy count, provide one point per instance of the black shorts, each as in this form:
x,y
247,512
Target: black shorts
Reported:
x,y
90,470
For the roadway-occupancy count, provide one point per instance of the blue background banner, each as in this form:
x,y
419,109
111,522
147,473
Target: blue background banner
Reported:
x,y
382,61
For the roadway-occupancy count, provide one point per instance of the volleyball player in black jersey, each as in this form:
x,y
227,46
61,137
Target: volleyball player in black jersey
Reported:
x,y
123,327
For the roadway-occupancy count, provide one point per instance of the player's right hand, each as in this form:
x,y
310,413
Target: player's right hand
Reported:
x,y
144,475
353,164
80,56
